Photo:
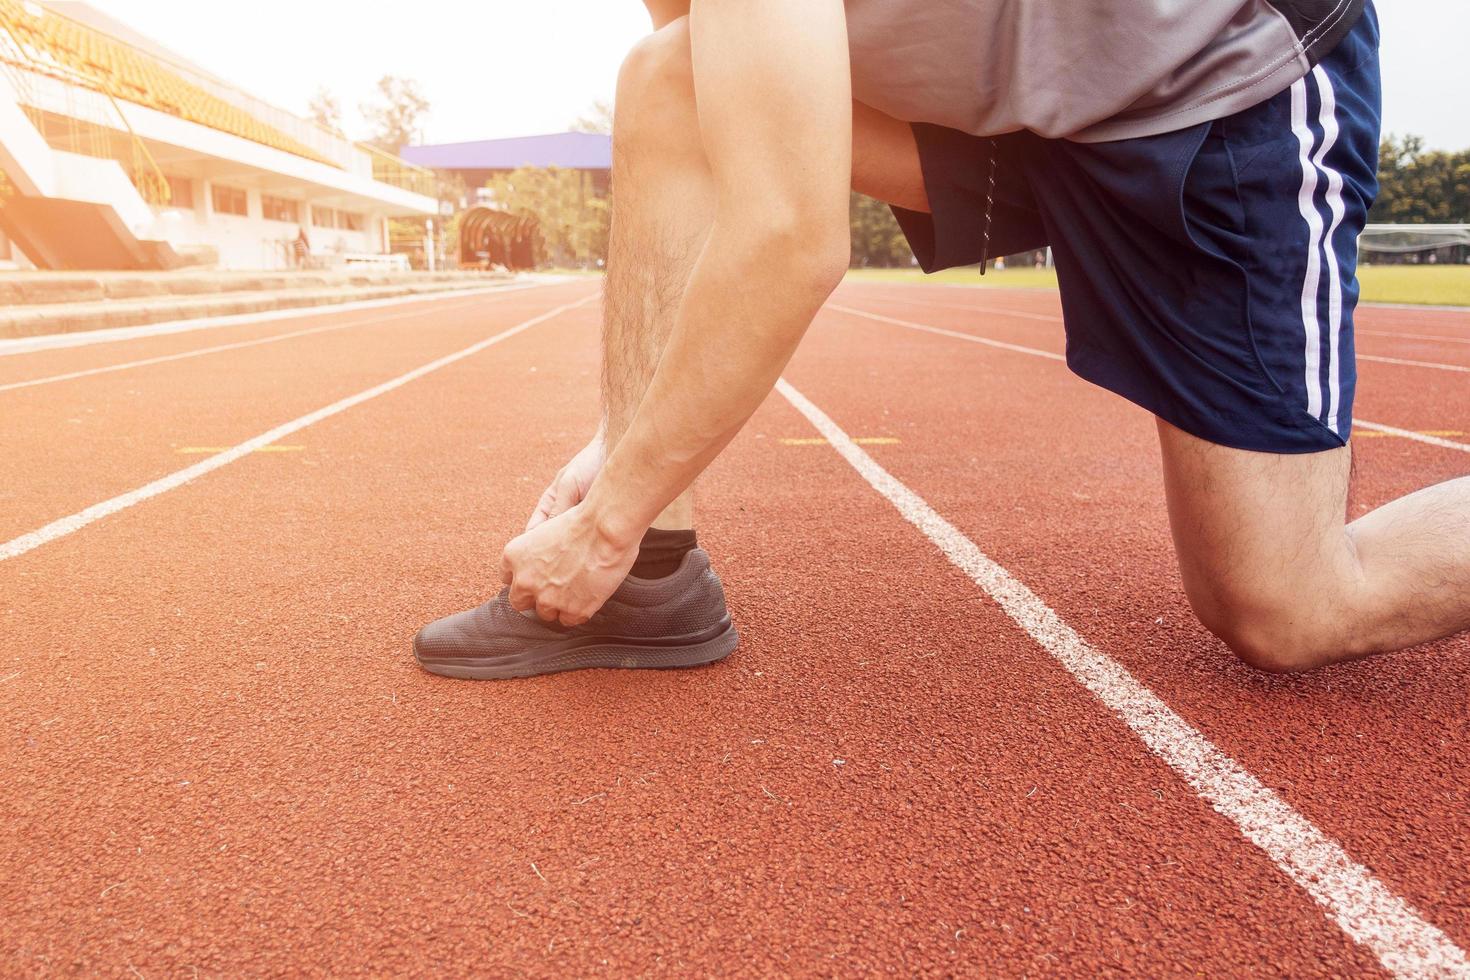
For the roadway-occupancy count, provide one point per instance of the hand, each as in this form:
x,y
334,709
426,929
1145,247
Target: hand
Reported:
x,y
565,568
571,482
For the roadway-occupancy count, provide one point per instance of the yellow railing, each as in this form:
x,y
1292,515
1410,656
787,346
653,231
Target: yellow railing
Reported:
x,y
400,173
114,140
52,44
42,41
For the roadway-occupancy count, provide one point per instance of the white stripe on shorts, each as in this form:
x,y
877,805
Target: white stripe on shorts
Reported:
x,y
1328,117
1307,205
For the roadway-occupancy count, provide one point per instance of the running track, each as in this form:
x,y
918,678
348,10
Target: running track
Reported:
x,y
972,726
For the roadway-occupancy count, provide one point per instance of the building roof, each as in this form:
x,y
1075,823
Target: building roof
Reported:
x,y
573,151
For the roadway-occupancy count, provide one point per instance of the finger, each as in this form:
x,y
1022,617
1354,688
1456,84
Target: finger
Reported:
x,y
571,619
507,572
568,495
547,611
521,599
543,507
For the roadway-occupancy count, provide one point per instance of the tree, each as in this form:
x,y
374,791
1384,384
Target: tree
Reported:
x,y
876,238
597,119
573,219
394,112
325,109
1421,187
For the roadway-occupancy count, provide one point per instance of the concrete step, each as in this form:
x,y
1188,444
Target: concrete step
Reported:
x,y
39,288
59,317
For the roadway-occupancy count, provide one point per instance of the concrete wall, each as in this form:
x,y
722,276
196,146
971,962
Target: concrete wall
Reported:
x,y
253,241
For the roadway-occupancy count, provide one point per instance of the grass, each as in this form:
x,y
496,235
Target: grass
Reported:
x,y
559,271
1021,278
1437,285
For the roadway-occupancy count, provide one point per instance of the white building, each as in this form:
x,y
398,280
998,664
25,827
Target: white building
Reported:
x,y
105,137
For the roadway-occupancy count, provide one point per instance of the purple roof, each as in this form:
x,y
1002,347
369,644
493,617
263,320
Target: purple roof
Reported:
x,y
574,151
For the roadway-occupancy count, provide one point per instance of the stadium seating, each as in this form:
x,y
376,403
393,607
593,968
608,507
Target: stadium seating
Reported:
x,y
52,44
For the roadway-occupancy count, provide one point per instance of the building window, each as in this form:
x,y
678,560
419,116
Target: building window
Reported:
x,y
229,200
323,217
279,208
351,220
181,193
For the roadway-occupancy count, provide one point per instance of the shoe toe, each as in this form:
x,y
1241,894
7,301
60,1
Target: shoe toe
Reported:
x,y
484,633
439,639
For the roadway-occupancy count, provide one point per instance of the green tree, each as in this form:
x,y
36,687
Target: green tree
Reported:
x,y
574,220
877,241
1417,186
325,110
395,112
597,119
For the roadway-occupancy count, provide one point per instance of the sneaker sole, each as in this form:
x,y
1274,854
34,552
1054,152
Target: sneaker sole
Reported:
x,y
588,653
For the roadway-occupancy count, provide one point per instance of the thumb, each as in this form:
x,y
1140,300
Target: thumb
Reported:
x,y
543,507
568,494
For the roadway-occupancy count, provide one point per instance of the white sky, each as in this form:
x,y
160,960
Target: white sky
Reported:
x,y
493,68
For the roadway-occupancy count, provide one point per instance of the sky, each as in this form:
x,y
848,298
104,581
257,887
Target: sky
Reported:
x,y
494,68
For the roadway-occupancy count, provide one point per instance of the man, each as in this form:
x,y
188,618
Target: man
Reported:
x,y
1201,170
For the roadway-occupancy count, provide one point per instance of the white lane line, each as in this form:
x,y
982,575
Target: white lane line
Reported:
x,y
945,333
72,375
958,335
84,338
1424,364
996,310
979,286
67,525
1360,904
1441,338
1431,440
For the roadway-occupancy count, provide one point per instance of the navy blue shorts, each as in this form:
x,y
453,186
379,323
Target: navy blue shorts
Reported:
x,y
1208,274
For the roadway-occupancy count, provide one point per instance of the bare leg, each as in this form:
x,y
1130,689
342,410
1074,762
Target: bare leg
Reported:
x,y
663,204
1272,567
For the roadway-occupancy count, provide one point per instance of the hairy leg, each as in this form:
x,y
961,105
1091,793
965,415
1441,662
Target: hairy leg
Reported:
x,y
663,201
1272,566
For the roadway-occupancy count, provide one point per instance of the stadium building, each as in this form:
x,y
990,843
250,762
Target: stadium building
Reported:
x,y
116,153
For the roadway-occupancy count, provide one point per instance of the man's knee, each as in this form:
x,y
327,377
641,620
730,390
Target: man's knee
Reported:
x,y
1273,626
655,100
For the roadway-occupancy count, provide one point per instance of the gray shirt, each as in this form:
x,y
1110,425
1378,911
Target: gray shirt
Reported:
x,y
1088,70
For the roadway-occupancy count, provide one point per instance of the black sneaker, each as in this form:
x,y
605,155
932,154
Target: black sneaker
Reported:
x,y
679,620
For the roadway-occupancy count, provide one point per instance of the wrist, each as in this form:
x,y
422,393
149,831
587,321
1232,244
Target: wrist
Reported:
x,y
611,519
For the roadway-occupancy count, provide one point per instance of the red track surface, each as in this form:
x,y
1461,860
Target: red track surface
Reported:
x,y
218,754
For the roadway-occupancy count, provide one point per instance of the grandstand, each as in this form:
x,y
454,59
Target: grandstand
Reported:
x,y
117,153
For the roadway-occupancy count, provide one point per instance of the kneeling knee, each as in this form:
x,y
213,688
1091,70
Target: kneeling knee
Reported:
x,y
1270,636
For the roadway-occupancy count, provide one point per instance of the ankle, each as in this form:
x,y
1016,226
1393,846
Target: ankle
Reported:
x,y
662,551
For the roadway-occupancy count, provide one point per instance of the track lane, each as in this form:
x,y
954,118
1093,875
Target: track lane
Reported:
x,y
251,774
91,347
1059,482
1403,396
247,337
1379,331
76,443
